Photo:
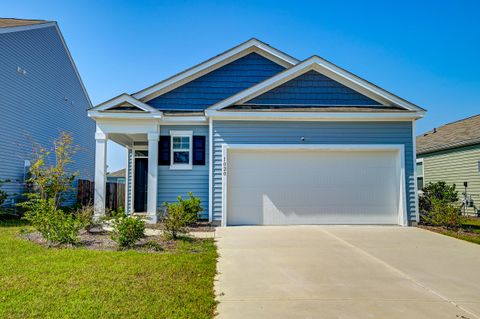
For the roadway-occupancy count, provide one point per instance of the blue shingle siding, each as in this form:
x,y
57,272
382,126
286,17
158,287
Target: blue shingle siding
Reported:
x,y
218,85
312,88
33,107
173,183
267,132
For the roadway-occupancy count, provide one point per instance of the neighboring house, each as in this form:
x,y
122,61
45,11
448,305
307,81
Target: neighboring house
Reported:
x,y
263,138
451,153
116,177
41,94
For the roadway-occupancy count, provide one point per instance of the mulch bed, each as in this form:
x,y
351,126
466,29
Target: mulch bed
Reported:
x,y
458,233
101,241
201,226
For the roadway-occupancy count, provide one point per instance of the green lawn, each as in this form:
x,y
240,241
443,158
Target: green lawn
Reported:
x,y
37,282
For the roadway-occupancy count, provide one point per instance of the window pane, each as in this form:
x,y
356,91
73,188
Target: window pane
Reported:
x,y
420,183
181,142
141,153
181,157
419,168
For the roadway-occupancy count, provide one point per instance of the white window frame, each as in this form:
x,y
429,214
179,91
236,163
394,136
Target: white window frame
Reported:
x,y
188,134
417,176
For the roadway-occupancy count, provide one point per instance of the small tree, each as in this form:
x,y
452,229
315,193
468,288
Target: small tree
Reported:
x,y
53,181
439,191
48,184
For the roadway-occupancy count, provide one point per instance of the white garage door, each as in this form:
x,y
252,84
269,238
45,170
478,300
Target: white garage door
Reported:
x,y
275,187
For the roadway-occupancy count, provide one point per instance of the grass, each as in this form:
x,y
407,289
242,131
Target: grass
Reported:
x,y
37,282
470,231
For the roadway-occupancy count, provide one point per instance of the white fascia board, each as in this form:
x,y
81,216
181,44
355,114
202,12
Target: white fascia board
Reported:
x,y
213,64
122,98
328,69
73,65
312,116
28,27
126,116
184,119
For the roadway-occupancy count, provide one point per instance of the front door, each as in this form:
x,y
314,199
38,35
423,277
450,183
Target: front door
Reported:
x,y
140,185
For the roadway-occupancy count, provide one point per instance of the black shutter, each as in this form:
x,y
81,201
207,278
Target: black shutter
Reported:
x,y
198,150
164,150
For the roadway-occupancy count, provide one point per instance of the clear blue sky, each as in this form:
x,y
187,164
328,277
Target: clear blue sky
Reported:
x,y
427,52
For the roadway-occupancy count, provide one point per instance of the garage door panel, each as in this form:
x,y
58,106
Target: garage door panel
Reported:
x,y
312,187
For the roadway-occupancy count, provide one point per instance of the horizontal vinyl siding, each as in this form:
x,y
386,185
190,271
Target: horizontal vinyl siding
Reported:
x,y
33,106
218,84
173,183
312,88
455,167
265,132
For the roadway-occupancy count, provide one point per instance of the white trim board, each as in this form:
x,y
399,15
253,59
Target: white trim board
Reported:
x,y
210,170
122,98
252,45
312,116
326,68
402,209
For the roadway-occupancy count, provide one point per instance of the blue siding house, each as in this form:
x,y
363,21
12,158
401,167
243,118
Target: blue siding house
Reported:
x,y
41,94
263,138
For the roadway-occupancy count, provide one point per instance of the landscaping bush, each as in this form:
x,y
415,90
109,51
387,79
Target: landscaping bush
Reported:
x,y
84,214
444,214
54,224
439,191
3,194
178,216
193,205
127,230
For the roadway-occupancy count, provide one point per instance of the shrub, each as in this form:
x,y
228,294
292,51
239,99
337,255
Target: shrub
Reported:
x,y
127,230
439,191
177,216
54,224
84,214
444,214
192,205
3,194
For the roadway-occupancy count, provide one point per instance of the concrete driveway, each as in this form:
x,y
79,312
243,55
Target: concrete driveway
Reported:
x,y
345,272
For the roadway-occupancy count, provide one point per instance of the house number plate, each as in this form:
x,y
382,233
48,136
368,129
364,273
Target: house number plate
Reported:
x,y
224,166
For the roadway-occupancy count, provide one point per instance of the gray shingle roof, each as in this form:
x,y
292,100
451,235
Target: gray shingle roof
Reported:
x,y
119,173
460,133
13,22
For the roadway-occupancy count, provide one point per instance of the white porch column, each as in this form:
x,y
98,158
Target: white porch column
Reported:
x,y
100,173
152,176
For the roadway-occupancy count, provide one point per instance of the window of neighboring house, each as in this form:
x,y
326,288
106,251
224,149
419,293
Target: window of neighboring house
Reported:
x,y
181,149
420,174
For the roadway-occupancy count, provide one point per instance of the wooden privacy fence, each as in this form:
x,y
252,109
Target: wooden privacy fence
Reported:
x,y
115,194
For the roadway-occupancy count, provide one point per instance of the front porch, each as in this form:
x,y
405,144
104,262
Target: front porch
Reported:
x,y
141,144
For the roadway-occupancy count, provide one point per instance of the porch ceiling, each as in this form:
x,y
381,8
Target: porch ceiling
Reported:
x,y
127,139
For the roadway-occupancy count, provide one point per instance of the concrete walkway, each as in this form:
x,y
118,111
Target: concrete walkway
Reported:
x,y
345,272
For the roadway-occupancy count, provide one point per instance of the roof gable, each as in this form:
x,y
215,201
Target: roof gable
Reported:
x,y
218,84
252,45
124,103
312,89
347,79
